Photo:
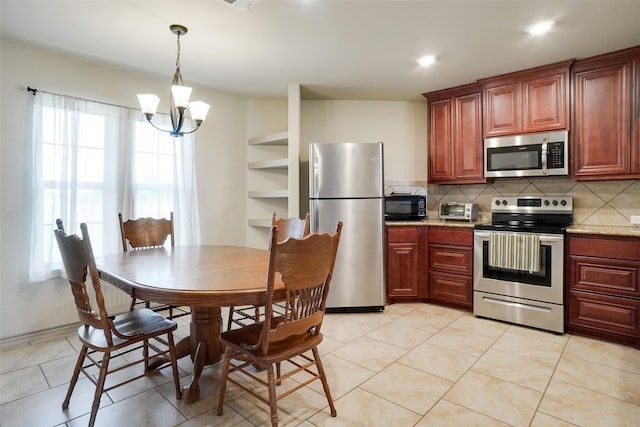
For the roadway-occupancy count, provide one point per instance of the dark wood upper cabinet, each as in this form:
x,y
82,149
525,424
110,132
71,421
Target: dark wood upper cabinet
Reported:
x,y
532,100
606,116
455,135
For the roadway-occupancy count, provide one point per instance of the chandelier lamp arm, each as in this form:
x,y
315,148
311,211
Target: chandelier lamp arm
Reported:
x,y
179,99
176,132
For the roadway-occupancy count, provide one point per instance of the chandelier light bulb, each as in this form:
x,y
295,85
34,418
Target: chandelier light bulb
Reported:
x,y
148,103
199,110
181,95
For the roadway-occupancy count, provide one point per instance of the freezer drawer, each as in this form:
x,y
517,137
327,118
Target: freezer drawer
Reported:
x,y
358,278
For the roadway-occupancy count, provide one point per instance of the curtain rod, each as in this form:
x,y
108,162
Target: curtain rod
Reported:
x,y
35,91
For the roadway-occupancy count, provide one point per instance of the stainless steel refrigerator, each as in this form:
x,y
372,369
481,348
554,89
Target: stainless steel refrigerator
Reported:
x,y
346,183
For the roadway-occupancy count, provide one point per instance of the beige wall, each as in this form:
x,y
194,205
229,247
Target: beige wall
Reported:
x,y
221,156
220,148
401,126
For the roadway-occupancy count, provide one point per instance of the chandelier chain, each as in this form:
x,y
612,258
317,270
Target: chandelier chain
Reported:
x,y
178,51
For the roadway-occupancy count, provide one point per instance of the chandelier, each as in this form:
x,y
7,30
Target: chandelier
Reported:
x,y
179,99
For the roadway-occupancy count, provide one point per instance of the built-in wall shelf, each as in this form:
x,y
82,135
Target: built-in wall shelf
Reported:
x,y
269,194
263,223
270,164
273,163
280,138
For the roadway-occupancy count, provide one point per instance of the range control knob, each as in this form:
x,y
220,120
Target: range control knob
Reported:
x,y
563,202
554,203
504,203
546,203
497,202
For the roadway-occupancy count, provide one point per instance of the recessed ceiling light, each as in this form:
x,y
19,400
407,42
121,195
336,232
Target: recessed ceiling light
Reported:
x,y
540,28
426,60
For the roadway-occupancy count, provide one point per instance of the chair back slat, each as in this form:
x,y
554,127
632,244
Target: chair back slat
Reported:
x,y
143,233
290,227
305,266
78,259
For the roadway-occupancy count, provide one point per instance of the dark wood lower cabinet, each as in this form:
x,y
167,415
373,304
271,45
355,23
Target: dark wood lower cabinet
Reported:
x,y
450,266
406,255
604,287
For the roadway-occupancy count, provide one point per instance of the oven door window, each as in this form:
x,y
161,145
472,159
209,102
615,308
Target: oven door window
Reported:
x,y
538,278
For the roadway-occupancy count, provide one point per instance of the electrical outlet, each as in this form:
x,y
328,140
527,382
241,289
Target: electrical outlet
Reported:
x,y
635,219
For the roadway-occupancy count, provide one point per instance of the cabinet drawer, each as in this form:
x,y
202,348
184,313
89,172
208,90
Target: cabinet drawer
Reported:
x,y
614,277
605,247
452,259
402,234
604,313
450,288
450,236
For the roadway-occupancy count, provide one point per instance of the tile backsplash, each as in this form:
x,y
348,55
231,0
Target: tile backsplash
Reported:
x,y
609,203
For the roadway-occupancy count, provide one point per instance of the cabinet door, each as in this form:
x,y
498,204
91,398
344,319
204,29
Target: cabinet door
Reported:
x,y
468,147
545,103
440,141
455,135
502,110
406,265
601,119
635,117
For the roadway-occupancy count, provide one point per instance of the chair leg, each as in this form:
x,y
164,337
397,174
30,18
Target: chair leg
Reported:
x,y
323,378
273,397
223,381
174,365
102,376
74,377
133,304
278,373
145,355
230,318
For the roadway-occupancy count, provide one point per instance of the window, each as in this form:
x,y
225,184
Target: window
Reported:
x,y
92,160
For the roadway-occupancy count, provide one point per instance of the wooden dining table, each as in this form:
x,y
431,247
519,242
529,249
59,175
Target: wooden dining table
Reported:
x,y
206,278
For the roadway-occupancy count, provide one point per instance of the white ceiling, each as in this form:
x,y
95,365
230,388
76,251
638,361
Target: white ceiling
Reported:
x,y
335,49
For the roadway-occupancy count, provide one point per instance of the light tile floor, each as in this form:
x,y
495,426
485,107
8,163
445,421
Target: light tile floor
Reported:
x,y
412,365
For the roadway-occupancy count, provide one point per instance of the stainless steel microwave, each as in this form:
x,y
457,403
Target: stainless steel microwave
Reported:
x,y
535,154
403,207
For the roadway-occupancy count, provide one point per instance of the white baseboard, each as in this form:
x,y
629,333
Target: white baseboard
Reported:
x,y
20,340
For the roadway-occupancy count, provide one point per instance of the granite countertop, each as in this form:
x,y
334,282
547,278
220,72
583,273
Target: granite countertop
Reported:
x,y
434,223
632,231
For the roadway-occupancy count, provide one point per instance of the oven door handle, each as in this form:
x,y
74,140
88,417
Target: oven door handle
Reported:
x,y
544,238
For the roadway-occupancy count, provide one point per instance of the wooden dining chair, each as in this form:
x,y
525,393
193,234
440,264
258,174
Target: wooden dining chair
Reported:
x,y
287,227
147,233
105,337
305,267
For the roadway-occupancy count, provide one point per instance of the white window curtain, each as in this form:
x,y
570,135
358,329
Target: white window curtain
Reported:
x,y
92,160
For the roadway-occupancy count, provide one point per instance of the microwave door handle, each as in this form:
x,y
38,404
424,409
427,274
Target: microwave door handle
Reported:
x,y
543,156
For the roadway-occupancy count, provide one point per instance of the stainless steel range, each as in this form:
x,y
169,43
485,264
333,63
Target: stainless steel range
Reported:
x,y
519,261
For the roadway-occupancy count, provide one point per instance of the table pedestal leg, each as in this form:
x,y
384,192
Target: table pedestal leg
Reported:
x,y
204,344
